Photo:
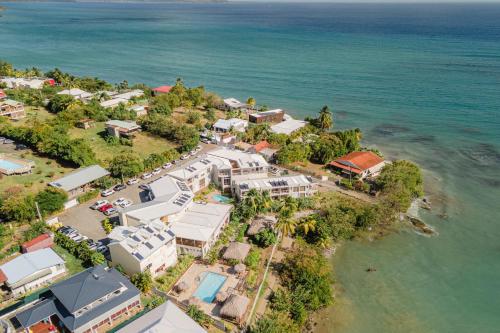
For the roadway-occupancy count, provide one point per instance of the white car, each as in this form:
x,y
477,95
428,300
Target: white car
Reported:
x,y
99,203
132,181
107,193
80,238
184,157
156,171
167,165
125,204
119,201
147,175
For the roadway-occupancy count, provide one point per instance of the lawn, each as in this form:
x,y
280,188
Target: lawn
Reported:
x,y
144,144
45,171
35,113
73,265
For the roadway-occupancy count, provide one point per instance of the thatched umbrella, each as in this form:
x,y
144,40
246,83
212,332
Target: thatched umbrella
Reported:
x,y
221,296
240,268
235,307
237,251
182,286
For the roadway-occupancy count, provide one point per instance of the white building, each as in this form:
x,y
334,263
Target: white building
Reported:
x,y
76,93
225,125
237,163
294,186
198,174
234,104
130,94
31,270
148,247
113,103
288,125
19,82
196,226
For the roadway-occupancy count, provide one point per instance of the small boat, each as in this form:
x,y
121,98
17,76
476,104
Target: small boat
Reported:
x,y
371,269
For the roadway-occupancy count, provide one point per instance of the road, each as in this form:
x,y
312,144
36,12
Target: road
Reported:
x,y
88,221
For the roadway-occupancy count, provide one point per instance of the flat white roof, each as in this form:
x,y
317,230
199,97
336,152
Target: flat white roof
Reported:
x,y
274,182
200,221
75,92
234,103
113,102
288,126
30,263
129,125
130,94
80,177
196,167
243,159
226,124
141,242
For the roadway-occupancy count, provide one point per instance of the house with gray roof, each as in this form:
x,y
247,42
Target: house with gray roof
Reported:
x,y
91,301
78,181
31,270
167,318
122,128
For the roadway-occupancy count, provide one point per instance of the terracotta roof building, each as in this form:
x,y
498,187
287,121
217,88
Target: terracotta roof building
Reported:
x,y
360,163
162,90
41,242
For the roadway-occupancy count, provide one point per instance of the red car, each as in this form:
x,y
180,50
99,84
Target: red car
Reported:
x,y
105,208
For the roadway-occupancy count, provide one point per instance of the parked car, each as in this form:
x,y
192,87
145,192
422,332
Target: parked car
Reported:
x,y
147,175
125,204
118,201
67,230
91,244
107,193
132,181
99,203
110,211
2,139
156,171
184,157
80,238
119,187
205,140
144,187
105,207
102,248
167,165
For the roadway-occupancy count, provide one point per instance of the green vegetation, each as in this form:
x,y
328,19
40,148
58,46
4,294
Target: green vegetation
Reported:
x,y
167,280
79,250
265,238
73,264
107,225
198,315
87,196
143,281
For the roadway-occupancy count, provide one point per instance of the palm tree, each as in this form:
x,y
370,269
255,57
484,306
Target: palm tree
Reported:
x,y
325,119
253,200
286,226
308,224
251,101
266,201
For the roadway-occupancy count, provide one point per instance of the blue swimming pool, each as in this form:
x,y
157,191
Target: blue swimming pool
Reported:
x,y
221,198
209,286
10,166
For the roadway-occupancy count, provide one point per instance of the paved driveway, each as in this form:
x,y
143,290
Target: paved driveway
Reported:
x,y
88,221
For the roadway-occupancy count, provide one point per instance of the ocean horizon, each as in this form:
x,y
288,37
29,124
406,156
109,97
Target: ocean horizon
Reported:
x,y
422,81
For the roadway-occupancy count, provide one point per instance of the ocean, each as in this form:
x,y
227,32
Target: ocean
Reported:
x,y
421,81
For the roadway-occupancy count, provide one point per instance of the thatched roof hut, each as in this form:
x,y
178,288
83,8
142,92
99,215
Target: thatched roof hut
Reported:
x,y
240,268
221,296
260,223
182,286
235,307
237,251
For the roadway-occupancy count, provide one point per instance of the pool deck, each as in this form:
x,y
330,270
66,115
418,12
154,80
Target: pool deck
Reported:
x,y
24,165
193,279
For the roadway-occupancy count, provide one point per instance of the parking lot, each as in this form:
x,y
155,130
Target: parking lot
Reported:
x,y
88,221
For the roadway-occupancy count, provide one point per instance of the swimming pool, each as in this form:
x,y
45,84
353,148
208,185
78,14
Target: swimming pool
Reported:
x,y
10,166
209,286
221,198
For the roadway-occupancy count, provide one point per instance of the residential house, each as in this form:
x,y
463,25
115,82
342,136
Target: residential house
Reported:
x,y
122,128
130,94
233,104
198,174
85,123
31,270
166,318
226,125
12,109
196,226
298,186
271,116
27,83
361,164
161,90
42,241
92,301
76,93
237,163
288,125
78,181
148,247
114,102
139,110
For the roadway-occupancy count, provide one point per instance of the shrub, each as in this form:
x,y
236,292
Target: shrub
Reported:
x,y
87,196
253,259
265,238
143,281
107,225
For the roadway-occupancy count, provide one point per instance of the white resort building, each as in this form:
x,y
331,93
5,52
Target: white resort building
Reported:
x,y
298,186
196,226
148,247
225,125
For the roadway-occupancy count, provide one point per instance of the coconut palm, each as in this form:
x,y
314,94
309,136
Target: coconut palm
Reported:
x,y
325,119
308,224
252,200
266,201
286,226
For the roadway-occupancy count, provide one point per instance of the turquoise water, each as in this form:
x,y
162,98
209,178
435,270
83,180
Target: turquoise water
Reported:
x,y
221,198
422,81
209,286
10,166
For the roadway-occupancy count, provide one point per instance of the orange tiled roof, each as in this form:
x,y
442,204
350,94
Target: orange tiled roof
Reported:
x,y
357,161
261,145
35,240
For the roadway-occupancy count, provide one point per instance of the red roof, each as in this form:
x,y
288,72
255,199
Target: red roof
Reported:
x,y
35,240
357,161
261,145
3,277
51,82
163,89
2,94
